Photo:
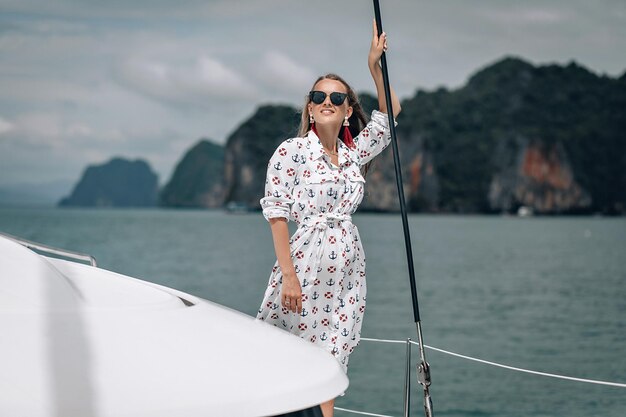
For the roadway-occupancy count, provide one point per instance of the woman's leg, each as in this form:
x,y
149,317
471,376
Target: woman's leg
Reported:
x,y
328,408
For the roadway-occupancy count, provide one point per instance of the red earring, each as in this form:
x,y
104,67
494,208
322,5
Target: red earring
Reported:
x,y
347,137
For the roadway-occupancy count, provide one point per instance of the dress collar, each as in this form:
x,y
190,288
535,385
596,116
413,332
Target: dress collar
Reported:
x,y
346,155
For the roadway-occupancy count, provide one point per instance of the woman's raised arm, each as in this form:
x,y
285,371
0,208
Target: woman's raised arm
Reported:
x,y
379,44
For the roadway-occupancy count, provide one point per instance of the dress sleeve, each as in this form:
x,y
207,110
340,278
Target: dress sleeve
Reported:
x,y
279,183
375,137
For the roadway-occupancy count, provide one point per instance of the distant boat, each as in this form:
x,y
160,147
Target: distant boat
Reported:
x,y
237,207
78,340
525,211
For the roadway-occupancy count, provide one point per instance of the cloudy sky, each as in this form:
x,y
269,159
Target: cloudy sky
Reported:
x,y
82,81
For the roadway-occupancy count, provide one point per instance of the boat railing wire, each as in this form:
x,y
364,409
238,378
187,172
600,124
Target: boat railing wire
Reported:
x,y
485,362
49,250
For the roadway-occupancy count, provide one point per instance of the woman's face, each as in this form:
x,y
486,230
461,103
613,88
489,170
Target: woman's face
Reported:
x,y
327,113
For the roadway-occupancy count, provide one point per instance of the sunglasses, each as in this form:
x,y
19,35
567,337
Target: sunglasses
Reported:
x,y
336,98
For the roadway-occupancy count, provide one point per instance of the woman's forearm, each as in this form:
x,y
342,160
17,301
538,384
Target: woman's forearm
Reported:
x,y
280,235
377,75
291,291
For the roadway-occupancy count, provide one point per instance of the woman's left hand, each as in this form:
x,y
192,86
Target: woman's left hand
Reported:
x,y
379,45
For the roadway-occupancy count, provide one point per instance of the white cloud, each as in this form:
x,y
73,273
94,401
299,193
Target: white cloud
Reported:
x,y
281,72
200,83
523,15
39,129
51,130
5,126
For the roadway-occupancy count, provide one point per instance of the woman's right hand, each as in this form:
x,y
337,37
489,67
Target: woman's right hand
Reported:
x,y
291,293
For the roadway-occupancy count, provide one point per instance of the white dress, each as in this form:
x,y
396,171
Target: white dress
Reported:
x,y
303,185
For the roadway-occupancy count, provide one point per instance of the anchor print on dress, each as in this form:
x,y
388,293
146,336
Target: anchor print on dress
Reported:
x,y
345,332
278,166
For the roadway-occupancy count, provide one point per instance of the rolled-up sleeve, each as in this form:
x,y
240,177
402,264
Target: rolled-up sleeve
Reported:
x,y
281,172
374,138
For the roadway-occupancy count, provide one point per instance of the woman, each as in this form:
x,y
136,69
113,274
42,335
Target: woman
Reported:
x,y
317,287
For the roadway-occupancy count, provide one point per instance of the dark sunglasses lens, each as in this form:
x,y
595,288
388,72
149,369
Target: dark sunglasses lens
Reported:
x,y
337,98
318,97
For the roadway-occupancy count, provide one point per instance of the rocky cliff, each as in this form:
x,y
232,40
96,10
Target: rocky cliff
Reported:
x,y
536,175
197,180
249,149
117,183
550,137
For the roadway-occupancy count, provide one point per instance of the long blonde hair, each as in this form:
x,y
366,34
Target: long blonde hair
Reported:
x,y
358,119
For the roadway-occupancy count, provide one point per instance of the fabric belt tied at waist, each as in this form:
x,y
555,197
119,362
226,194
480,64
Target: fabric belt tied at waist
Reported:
x,y
321,221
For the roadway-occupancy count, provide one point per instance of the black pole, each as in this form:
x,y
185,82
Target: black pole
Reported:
x,y
423,367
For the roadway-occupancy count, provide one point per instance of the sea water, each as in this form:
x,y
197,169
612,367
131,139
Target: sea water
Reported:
x,y
544,293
